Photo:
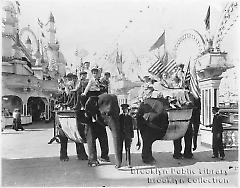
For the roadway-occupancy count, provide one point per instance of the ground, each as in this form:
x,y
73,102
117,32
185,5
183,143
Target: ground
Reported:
x,y
27,160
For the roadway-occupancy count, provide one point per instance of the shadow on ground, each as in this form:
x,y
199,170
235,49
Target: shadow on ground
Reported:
x,y
50,171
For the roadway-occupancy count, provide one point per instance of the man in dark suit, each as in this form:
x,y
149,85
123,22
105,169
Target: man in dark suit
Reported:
x,y
217,130
126,126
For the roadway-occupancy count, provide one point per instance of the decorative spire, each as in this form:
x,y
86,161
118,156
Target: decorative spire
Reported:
x,y
51,18
28,41
38,54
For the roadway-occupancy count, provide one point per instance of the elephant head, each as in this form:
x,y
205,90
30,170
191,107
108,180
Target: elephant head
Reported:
x,y
106,106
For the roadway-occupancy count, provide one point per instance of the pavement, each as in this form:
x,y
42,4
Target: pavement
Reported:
x,y
27,160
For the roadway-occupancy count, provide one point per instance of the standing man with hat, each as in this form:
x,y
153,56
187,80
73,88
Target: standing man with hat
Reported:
x,y
126,127
86,68
79,89
217,130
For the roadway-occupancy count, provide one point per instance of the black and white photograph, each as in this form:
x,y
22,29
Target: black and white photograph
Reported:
x,y
119,93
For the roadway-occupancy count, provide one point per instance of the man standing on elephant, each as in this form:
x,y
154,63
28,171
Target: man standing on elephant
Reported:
x,y
126,126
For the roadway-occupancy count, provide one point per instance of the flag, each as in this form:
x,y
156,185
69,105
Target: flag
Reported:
x,y
162,65
40,23
159,42
207,19
194,85
187,78
191,82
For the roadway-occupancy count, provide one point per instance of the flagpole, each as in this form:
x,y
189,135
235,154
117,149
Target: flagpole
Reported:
x,y
164,41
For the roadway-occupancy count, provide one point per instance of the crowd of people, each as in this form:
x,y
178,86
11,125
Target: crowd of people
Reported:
x,y
76,89
153,87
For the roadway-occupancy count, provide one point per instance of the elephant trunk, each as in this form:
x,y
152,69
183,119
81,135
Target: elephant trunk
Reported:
x,y
114,126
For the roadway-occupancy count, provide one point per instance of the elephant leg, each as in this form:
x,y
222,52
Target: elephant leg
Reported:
x,y
63,147
195,135
81,153
92,150
188,143
147,152
118,147
103,140
177,148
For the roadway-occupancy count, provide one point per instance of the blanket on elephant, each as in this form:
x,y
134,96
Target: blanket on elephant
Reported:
x,y
170,123
69,122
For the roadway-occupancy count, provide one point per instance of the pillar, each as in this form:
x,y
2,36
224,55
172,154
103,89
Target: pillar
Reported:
x,y
209,67
209,98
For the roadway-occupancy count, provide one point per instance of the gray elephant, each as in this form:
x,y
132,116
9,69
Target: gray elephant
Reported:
x,y
154,123
105,110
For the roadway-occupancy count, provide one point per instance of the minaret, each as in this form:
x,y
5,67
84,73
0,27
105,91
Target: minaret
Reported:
x,y
9,21
29,45
52,29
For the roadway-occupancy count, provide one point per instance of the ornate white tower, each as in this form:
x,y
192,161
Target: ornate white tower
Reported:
x,y
52,30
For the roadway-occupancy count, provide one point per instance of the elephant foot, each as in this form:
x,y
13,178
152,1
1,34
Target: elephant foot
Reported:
x,y
188,156
64,158
85,157
177,156
93,163
151,161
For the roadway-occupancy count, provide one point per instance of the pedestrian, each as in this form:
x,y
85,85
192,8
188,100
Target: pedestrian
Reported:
x,y
126,128
17,120
217,130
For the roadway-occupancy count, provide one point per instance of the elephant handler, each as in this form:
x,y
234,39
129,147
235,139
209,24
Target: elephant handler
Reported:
x,y
126,127
217,130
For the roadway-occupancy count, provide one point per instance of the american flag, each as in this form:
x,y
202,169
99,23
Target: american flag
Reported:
x,y
162,65
191,82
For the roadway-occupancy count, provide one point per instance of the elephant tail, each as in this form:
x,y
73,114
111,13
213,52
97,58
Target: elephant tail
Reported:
x,y
138,145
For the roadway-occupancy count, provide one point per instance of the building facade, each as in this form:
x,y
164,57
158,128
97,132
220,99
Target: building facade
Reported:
x,y
29,80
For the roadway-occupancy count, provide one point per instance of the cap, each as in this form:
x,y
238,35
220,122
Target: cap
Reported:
x,y
215,108
94,69
83,72
124,106
107,73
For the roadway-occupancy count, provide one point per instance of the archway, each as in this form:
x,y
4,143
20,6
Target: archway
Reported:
x,y
10,102
36,106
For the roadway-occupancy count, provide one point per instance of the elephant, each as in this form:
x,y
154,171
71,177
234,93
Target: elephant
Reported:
x,y
154,123
99,112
